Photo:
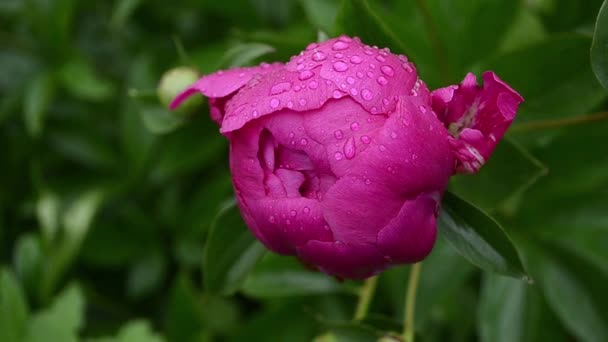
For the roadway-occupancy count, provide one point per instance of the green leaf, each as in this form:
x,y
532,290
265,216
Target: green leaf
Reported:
x,y
479,238
321,13
27,260
599,46
81,79
574,288
61,321
516,169
121,13
146,275
183,320
510,310
133,331
160,120
230,253
552,87
13,308
244,54
280,276
38,97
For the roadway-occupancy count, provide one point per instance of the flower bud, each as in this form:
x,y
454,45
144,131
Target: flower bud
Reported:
x,y
172,83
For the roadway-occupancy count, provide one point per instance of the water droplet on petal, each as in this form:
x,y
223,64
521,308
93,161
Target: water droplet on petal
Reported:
x,y
354,91
368,182
414,156
300,60
274,103
374,110
304,141
338,134
287,222
345,39
407,67
297,88
293,213
382,80
354,126
340,66
338,55
290,104
300,67
394,135
291,134
380,58
255,113
366,94
338,156
306,74
350,80
313,85
306,210
386,101
422,109
368,52
349,148
340,45
280,88
355,59
272,219
311,46
359,74
372,66
382,148
318,56
365,139
370,74
302,102
336,94
388,70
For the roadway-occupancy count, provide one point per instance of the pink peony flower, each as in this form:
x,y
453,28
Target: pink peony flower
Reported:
x,y
341,155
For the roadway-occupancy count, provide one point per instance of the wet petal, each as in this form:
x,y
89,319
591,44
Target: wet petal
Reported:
x,y
477,117
409,237
344,260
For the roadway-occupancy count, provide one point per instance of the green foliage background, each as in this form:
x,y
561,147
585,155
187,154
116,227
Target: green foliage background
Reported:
x,y
109,224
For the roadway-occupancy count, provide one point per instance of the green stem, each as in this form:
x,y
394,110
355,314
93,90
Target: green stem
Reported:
x,y
410,303
433,34
557,123
365,297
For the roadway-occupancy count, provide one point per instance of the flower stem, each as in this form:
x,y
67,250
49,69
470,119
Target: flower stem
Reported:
x,y
557,123
410,303
365,297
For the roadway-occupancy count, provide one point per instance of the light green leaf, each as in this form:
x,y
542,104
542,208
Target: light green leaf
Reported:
x,y
13,308
478,237
133,331
243,54
160,120
38,97
321,13
83,81
599,46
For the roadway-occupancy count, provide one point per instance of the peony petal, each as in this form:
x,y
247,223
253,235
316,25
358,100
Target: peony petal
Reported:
x,y
285,223
477,117
410,236
343,259
373,77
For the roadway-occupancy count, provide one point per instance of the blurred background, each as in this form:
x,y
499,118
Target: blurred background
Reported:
x,y
107,200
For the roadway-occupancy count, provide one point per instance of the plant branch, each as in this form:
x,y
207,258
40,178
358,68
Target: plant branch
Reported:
x,y
365,297
410,303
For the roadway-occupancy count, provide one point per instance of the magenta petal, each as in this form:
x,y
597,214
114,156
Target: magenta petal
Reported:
x,y
352,261
410,236
285,224
223,83
477,117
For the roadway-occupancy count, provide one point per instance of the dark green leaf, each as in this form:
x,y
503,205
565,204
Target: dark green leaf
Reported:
x,y
231,252
183,320
280,276
321,13
599,46
509,172
13,308
146,275
134,331
244,54
27,261
510,310
478,237
82,80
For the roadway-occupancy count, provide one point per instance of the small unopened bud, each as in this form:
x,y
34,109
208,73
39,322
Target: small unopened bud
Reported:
x,y
173,82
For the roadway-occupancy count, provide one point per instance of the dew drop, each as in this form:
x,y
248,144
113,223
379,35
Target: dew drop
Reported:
x,y
386,101
336,94
304,141
300,60
370,74
372,66
388,70
339,55
306,74
407,67
422,109
302,102
368,182
313,85
272,219
394,135
382,80
354,126
374,110
255,114
300,67
338,134
365,139
338,156
368,52
290,104
340,66
274,103
359,74
280,88
293,213
414,156
350,80
297,88
382,148
345,39
291,134
349,148
355,59
339,46
318,56
380,58
306,210
311,46
366,94
354,91
287,222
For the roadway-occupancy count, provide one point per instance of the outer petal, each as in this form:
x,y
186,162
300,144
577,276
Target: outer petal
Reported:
x,y
410,236
477,117
223,83
344,260
373,77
